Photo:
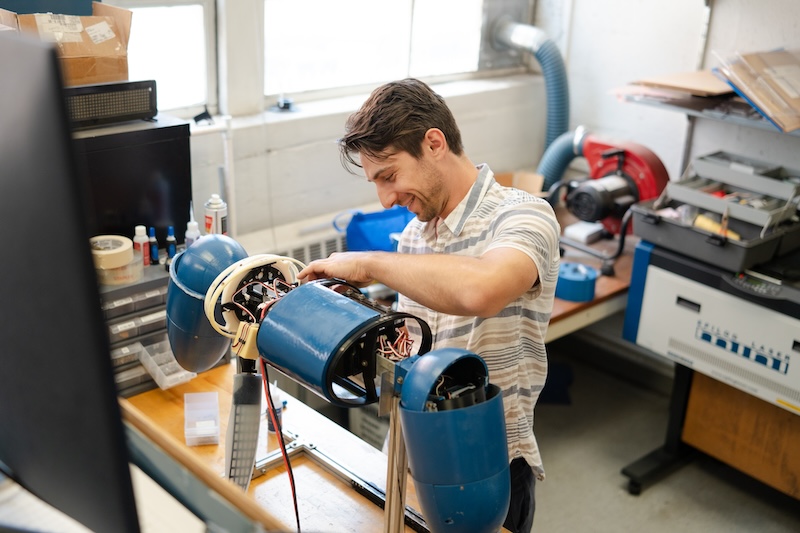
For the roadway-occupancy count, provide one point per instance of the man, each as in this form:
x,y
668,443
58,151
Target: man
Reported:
x,y
479,263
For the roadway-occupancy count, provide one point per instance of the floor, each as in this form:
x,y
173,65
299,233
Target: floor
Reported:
x,y
598,421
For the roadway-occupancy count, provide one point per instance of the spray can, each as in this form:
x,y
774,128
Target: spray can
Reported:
x,y
141,243
216,215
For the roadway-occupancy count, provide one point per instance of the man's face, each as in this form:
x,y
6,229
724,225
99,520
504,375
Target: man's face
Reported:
x,y
401,179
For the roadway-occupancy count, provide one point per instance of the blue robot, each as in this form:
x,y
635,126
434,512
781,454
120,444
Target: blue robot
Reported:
x,y
351,351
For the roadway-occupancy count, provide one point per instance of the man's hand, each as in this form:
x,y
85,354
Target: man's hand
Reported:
x,y
348,266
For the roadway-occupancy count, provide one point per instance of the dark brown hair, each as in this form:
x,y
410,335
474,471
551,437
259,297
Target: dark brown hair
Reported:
x,y
396,116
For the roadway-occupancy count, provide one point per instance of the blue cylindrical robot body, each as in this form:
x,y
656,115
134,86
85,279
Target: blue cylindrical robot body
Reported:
x,y
458,457
304,333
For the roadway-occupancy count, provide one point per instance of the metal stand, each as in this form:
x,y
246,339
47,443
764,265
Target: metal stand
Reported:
x,y
674,453
396,473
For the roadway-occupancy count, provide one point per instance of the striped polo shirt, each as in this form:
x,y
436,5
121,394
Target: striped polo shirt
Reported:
x,y
511,342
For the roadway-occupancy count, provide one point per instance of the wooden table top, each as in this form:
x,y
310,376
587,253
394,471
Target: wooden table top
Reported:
x,y
325,501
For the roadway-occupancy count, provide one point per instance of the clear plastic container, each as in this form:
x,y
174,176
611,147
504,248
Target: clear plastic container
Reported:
x,y
126,354
127,329
160,363
153,321
201,418
118,307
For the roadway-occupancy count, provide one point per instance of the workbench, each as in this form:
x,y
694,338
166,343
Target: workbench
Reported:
x,y
326,501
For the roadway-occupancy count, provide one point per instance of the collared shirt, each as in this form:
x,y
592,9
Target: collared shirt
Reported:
x,y
512,342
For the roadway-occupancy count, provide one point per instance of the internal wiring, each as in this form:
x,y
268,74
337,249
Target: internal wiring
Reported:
x,y
240,339
235,273
439,385
399,349
279,434
265,307
242,292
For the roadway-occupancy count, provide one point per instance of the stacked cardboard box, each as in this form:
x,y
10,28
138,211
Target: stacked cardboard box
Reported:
x,y
93,49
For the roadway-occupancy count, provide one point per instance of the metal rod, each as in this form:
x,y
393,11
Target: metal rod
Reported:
x,y
397,466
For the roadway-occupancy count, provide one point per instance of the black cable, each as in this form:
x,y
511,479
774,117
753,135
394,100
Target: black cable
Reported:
x,y
279,434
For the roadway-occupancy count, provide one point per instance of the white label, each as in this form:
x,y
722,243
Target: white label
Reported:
x,y
160,315
59,28
100,32
120,303
123,327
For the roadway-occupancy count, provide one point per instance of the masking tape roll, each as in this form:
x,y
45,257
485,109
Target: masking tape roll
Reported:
x,y
123,275
111,251
576,282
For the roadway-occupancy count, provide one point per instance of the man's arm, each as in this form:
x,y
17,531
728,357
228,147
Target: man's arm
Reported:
x,y
452,284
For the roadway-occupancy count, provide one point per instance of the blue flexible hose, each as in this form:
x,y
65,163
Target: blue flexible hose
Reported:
x,y
559,155
555,77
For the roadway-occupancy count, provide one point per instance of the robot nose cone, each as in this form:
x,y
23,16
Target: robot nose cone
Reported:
x,y
198,266
197,346
194,343
195,353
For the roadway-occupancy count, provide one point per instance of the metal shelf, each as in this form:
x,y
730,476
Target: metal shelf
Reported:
x,y
721,108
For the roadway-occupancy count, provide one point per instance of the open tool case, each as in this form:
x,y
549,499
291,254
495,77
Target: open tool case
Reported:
x,y
742,197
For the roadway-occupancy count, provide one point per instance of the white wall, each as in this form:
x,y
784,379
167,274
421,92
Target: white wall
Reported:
x,y
287,166
610,43
744,26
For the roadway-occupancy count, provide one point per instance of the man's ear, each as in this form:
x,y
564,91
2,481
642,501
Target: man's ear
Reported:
x,y
434,142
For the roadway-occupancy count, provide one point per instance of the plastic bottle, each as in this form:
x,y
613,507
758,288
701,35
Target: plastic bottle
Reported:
x,y
153,246
216,215
172,243
141,243
192,228
192,232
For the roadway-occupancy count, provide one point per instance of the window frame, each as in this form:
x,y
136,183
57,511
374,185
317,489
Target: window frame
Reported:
x,y
212,68
233,96
491,62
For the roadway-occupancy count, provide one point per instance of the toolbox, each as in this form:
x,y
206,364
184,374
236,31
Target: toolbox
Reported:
x,y
749,208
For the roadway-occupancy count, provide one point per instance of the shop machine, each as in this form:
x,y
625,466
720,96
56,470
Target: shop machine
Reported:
x,y
621,174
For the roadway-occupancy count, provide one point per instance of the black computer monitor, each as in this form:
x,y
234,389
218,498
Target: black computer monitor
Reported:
x,y
138,173
61,433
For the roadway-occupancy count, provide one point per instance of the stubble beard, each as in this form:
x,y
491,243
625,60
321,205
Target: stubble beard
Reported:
x,y
433,204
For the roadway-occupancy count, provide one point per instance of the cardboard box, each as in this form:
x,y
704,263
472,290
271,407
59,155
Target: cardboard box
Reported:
x,y
529,182
695,83
93,49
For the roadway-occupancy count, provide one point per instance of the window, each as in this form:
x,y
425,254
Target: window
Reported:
x,y
357,42
304,49
172,42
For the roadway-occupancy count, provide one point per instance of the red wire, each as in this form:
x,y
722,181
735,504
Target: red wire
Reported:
x,y
279,434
